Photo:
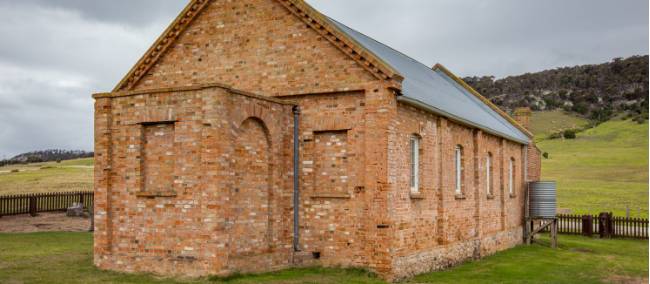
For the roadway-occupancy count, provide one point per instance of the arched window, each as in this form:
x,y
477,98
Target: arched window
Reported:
x,y
459,169
415,164
488,175
511,176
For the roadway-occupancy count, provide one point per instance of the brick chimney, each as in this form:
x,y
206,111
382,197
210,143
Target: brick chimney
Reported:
x,y
522,116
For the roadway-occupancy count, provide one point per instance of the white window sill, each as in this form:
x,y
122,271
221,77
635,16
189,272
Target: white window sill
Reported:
x,y
416,195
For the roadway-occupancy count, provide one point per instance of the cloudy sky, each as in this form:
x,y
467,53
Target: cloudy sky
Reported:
x,y
55,53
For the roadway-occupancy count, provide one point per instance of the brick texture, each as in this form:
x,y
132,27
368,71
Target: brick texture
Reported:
x,y
194,161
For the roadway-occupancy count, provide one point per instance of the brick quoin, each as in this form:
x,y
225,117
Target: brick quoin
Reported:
x,y
194,157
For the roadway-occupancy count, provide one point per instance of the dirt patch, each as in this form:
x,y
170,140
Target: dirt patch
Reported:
x,y
619,279
44,222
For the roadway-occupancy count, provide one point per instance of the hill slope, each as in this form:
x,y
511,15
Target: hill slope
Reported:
x,y
593,91
604,169
545,123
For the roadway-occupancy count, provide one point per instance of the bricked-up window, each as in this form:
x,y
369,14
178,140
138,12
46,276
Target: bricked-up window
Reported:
x,y
158,157
415,164
331,162
459,169
488,174
511,176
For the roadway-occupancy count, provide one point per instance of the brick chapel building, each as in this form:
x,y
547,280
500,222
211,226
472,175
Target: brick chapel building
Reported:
x,y
257,135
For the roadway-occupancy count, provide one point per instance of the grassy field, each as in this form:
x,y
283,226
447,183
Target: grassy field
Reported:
x,y
546,123
72,175
67,258
604,169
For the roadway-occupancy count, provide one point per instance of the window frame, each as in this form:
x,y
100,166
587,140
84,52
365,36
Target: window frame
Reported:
x,y
511,176
458,169
414,158
488,175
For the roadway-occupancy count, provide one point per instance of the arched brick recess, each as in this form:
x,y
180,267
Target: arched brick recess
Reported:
x,y
251,196
261,113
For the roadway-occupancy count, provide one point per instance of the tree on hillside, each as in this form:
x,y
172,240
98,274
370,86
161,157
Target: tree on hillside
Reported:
x,y
593,91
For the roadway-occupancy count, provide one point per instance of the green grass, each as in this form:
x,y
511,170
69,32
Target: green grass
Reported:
x,y
71,175
67,258
546,123
577,260
604,169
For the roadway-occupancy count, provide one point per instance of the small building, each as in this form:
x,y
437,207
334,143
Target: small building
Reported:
x,y
257,135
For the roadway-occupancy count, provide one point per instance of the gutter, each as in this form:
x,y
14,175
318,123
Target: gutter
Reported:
x,y
296,179
456,118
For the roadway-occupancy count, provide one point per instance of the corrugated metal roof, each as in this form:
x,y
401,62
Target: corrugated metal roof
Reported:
x,y
436,91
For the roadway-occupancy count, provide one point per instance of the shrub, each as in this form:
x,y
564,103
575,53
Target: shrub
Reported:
x,y
569,134
545,155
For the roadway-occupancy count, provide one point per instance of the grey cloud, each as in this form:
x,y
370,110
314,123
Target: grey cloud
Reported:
x,y
501,37
55,53
125,12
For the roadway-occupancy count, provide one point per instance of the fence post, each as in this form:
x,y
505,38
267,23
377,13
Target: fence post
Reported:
x,y
91,212
554,231
587,225
610,225
81,198
605,225
32,206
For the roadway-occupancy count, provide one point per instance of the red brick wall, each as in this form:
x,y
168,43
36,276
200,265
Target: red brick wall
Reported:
x,y
491,206
191,228
158,157
534,163
335,217
412,215
514,203
438,228
251,196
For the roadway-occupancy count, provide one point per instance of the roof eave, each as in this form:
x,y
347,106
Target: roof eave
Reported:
x,y
494,107
427,107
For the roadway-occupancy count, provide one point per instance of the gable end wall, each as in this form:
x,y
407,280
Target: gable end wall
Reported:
x,y
257,46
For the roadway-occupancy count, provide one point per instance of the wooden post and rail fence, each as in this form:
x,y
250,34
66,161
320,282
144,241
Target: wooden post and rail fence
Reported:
x,y
605,225
43,202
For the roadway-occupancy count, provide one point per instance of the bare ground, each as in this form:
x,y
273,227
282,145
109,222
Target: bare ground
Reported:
x,y
617,279
44,222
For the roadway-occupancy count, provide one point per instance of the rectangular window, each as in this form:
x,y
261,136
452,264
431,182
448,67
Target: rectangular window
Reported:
x,y
459,169
511,171
415,164
158,157
488,174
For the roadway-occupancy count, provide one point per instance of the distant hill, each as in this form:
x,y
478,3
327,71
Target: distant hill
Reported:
x,y
46,156
596,92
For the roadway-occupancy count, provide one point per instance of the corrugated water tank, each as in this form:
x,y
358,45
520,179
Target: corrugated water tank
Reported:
x,y
543,199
